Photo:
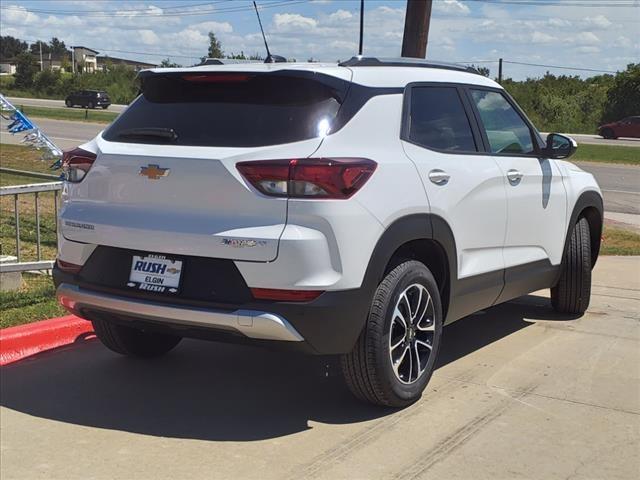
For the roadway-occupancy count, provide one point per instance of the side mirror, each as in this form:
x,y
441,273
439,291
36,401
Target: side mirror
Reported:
x,y
559,146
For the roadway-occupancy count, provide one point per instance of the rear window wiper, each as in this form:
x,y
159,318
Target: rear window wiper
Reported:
x,y
149,132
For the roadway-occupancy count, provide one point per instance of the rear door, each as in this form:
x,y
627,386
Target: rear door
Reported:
x,y
464,186
184,195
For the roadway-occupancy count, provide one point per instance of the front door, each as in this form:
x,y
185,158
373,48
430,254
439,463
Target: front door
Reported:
x,y
536,197
465,188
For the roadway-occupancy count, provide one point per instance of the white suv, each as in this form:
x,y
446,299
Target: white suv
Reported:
x,y
346,209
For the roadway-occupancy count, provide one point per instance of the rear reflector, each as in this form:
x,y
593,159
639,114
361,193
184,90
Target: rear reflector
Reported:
x,y
321,178
285,295
68,267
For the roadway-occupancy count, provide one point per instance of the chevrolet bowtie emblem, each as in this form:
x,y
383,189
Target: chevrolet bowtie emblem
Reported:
x,y
154,172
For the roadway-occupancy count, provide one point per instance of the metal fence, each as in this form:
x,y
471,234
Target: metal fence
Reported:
x,y
35,189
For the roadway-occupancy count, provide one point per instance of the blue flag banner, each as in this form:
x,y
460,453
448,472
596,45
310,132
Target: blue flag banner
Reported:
x,y
34,137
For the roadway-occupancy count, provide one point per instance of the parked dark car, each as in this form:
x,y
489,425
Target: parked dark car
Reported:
x,y
627,127
88,99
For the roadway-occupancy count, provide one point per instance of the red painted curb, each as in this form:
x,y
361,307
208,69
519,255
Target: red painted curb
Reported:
x,y
23,341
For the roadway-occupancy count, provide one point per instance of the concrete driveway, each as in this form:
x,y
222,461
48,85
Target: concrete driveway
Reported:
x,y
520,393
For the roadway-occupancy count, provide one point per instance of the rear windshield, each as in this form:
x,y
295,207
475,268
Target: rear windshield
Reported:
x,y
230,109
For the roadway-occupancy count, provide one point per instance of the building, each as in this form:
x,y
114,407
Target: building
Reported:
x,y
55,62
84,59
7,66
105,61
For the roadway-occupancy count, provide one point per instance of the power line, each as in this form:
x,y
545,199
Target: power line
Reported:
x,y
147,13
561,67
127,10
563,3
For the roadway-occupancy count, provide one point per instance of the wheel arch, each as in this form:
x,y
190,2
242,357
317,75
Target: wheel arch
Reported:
x,y
423,237
590,206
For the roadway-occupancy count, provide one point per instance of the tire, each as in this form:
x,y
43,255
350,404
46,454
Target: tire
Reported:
x,y
608,133
104,107
131,341
68,103
90,105
368,369
572,293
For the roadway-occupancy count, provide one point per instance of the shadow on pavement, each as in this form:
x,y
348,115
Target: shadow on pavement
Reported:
x,y
214,391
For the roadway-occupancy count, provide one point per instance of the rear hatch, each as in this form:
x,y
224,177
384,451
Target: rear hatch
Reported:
x,y
180,192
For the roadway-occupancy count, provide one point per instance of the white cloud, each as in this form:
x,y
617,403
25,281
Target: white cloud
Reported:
x,y
215,27
450,7
340,15
293,22
17,14
585,38
541,37
148,37
599,21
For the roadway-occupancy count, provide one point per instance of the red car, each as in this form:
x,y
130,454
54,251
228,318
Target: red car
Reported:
x,y
627,127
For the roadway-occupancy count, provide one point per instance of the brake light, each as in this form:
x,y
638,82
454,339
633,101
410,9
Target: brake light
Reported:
x,y
285,295
322,178
216,78
76,163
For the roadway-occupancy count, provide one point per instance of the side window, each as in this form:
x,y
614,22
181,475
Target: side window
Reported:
x,y
506,130
438,120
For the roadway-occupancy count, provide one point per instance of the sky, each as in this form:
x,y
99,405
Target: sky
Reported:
x,y
602,35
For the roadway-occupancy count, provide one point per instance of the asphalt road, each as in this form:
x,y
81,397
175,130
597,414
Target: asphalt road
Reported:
x,y
520,392
63,133
620,183
41,102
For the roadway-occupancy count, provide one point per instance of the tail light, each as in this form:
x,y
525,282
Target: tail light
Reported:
x,y
285,295
322,178
76,163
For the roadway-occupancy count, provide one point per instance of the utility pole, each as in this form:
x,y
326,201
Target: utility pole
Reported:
x,y
73,59
41,64
361,26
500,71
416,28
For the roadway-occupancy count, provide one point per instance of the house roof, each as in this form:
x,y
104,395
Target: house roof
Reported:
x,y
86,48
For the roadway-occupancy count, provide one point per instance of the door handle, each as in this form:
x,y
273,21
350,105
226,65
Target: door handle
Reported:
x,y
439,177
514,176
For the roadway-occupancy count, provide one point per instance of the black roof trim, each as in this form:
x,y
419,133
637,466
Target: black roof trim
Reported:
x,y
404,62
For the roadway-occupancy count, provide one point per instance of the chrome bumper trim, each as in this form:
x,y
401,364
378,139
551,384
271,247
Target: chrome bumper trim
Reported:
x,y
253,324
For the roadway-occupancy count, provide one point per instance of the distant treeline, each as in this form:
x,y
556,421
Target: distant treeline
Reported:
x,y
553,103
572,104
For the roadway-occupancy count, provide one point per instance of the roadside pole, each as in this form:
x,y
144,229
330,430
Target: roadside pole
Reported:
x,y
416,28
500,70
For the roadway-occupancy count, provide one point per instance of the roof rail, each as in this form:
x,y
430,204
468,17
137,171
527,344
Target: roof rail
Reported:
x,y
359,61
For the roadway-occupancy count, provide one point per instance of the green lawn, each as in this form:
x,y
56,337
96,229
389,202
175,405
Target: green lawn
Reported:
x,y
34,301
607,154
75,114
616,241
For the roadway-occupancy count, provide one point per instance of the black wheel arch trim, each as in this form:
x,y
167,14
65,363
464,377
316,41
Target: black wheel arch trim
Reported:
x,y
590,205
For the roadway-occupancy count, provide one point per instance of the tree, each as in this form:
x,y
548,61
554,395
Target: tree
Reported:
x,y
623,98
58,47
26,68
215,47
11,47
166,63
35,47
482,70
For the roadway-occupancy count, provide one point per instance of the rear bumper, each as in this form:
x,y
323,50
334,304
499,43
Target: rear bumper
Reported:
x,y
250,323
328,325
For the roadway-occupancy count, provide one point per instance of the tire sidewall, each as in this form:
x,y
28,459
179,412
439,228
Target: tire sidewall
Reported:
x,y
415,273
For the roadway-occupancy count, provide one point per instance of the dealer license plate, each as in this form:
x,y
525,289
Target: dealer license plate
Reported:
x,y
155,273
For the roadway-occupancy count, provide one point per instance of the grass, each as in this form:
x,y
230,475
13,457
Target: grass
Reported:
x,y
34,301
607,154
23,158
616,241
74,114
